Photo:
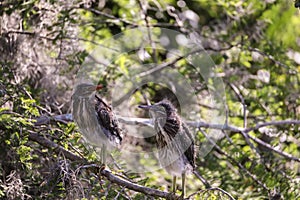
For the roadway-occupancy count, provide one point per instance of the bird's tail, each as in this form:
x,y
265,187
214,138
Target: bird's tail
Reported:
x,y
203,180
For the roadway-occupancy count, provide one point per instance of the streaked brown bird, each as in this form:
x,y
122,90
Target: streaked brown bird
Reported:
x,y
95,118
174,141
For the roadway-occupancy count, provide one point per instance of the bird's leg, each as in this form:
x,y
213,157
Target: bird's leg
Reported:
x,y
103,154
183,185
174,184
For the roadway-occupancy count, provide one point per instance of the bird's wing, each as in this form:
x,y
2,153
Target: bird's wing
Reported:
x,y
188,143
99,100
172,127
181,138
107,120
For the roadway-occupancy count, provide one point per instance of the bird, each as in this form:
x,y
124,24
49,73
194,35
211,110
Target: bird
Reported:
x,y
174,141
95,119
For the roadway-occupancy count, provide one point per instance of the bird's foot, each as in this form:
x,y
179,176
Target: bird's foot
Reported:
x,y
102,167
172,196
99,169
181,197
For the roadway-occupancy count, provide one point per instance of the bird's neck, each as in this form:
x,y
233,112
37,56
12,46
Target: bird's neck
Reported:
x,y
172,120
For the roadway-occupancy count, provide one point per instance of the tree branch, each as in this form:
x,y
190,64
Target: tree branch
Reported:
x,y
164,65
212,189
43,120
196,124
106,173
273,123
133,186
33,136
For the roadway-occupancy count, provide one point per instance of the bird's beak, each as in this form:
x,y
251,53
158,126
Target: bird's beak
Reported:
x,y
145,107
99,87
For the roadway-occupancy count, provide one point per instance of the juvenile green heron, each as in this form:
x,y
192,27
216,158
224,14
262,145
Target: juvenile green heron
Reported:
x,y
174,142
95,118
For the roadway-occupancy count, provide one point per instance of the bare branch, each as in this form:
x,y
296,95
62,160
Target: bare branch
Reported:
x,y
33,136
133,186
241,98
109,175
211,189
196,124
145,121
202,179
270,57
113,18
57,118
245,135
172,62
145,18
268,146
273,123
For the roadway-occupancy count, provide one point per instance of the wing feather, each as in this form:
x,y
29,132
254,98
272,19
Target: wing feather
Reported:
x,y
107,120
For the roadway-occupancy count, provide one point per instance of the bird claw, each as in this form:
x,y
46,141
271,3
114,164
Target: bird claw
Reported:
x,y
181,197
102,167
172,196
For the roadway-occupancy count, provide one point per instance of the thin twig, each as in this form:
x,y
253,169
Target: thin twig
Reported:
x,y
202,179
242,100
145,17
172,62
245,135
98,12
211,189
268,146
239,165
270,57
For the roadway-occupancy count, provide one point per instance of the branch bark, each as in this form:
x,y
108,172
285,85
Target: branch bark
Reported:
x,y
196,124
133,186
33,136
106,173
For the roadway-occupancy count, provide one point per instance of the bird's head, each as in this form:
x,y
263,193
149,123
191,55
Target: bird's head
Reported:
x,y
86,89
163,108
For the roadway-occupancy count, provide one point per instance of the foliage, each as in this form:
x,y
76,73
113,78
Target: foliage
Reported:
x,y
254,44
